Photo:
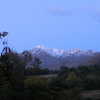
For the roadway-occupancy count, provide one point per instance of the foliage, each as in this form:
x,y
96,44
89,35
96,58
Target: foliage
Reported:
x,y
11,74
91,82
3,34
36,63
85,77
73,94
36,89
35,68
63,70
36,71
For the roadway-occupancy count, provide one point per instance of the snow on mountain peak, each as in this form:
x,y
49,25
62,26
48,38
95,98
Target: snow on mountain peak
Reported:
x,y
41,46
59,52
51,51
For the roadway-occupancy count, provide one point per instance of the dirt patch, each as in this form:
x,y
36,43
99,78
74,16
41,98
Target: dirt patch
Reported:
x,y
95,94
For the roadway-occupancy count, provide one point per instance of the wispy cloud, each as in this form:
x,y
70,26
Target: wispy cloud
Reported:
x,y
93,11
58,11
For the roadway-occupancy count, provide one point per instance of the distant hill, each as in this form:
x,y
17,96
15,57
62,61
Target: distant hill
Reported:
x,y
55,58
93,61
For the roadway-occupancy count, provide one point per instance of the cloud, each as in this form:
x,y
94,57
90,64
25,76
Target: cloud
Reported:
x,y
93,11
57,11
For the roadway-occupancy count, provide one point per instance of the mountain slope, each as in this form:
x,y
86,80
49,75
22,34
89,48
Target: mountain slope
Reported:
x,y
93,61
55,58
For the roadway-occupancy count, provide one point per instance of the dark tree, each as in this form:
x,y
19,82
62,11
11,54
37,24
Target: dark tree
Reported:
x,y
36,63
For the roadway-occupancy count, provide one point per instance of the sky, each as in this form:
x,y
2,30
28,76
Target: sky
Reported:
x,y
62,24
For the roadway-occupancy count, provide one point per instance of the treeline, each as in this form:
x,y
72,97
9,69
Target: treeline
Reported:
x,y
39,71
84,77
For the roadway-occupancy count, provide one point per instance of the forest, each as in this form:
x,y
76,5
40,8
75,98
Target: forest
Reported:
x,y
20,83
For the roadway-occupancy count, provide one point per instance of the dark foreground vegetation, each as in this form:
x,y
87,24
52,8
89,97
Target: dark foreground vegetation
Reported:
x,y
16,82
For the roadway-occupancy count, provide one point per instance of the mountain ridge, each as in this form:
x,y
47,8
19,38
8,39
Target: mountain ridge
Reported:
x,y
53,58
60,52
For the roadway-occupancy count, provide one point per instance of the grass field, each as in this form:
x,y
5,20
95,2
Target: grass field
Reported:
x,y
49,76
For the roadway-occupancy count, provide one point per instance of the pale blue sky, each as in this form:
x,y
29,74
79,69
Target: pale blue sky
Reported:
x,y
62,24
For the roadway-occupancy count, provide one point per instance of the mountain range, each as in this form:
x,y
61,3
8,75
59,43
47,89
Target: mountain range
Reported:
x,y
55,58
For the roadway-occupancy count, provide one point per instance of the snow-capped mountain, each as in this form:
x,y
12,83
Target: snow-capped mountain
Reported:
x,y
62,53
55,58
